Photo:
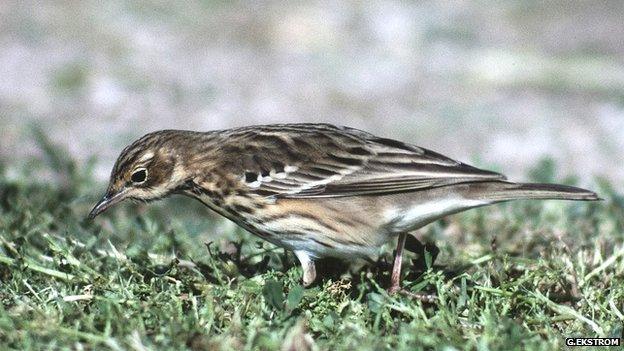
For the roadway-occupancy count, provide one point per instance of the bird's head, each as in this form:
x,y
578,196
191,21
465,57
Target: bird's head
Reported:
x,y
148,169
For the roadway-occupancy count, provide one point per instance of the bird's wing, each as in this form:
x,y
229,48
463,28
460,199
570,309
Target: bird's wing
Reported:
x,y
302,161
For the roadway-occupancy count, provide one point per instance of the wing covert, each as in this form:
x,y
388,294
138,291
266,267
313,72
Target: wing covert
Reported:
x,y
312,160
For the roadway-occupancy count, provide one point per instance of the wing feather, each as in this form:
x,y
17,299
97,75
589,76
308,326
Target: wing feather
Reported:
x,y
312,160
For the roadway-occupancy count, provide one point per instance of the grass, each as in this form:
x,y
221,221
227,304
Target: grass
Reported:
x,y
170,275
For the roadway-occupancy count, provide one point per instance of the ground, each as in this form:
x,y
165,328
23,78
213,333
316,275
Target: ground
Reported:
x,y
170,275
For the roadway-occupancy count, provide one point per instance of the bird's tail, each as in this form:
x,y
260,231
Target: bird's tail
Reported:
x,y
505,191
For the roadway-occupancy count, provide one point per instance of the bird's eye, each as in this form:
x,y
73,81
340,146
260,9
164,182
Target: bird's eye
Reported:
x,y
139,176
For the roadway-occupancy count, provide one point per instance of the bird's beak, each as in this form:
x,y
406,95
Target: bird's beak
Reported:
x,y
107,201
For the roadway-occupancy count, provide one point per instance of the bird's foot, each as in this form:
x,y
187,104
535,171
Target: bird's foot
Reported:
x,y
309,269
423,297
394,289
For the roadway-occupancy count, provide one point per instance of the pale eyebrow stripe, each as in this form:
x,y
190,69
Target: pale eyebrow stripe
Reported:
x,y
146,157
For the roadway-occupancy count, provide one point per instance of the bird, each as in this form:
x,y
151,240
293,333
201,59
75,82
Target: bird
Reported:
x,y
316,189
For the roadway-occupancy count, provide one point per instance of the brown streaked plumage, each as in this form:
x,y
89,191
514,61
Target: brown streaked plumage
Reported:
x,y
317,189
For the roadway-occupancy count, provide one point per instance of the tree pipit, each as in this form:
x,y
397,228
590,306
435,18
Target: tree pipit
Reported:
x,y
316,189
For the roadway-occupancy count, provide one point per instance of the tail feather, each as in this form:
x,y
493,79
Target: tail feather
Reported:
x,y
504,191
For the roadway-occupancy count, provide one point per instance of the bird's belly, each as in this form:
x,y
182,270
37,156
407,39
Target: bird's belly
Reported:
x,y
345,227
337,250
320,227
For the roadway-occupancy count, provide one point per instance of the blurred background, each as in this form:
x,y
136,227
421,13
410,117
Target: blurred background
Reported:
x,y
500,84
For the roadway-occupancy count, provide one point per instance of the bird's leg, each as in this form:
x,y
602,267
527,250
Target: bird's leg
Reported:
x,y
395,280
309,270
412,244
